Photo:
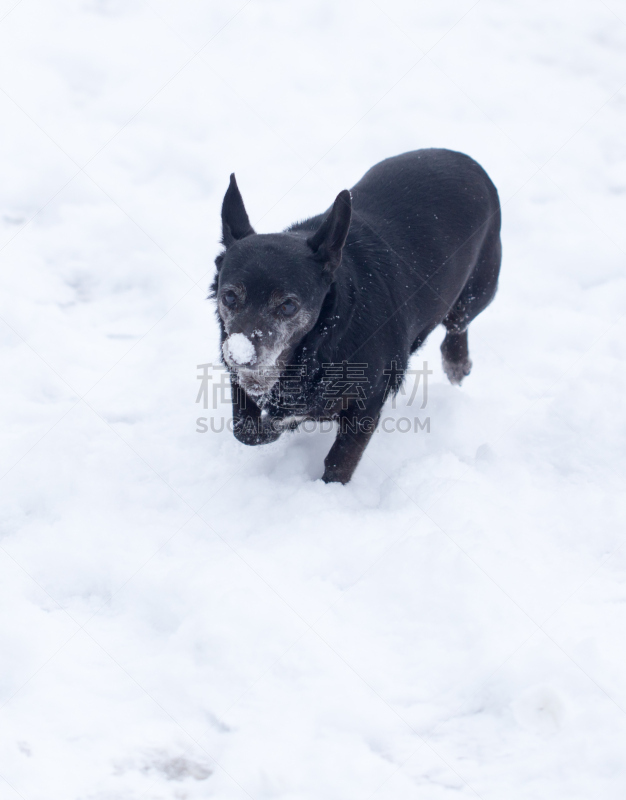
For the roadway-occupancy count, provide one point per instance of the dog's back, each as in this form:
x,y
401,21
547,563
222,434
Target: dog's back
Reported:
x,y
425,225
422,183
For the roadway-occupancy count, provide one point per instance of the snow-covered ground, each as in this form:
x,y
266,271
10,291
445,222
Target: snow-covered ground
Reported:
x,y
185,617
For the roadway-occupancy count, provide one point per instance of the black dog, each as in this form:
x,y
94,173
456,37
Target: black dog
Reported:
x,y
319,322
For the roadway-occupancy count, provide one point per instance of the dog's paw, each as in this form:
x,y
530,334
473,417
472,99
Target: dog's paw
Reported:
x,y
457,371
335,477
337,473
253,433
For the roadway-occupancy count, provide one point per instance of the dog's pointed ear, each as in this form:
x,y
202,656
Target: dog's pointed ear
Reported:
x,y
235,222
328,240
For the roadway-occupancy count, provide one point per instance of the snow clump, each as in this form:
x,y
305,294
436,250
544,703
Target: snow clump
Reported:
x,y
239,349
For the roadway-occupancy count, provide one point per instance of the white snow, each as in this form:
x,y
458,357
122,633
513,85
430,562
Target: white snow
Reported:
x,y
187,617
238,348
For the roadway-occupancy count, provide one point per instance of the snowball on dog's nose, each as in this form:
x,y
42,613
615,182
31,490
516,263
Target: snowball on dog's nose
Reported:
x,y
239,349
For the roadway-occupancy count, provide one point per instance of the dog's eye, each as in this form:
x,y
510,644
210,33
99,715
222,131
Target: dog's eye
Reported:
x,y
288,308
229,298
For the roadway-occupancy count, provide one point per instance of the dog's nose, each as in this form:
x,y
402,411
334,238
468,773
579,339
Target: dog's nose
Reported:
x,y
239,350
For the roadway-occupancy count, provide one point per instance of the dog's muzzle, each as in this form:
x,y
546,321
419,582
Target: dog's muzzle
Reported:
x,y
257,382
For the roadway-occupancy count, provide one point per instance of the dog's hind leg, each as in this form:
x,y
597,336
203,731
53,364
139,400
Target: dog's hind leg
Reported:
x,y
455,357
478,292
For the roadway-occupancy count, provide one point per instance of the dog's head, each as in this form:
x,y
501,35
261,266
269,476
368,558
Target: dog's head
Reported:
x,y
270,288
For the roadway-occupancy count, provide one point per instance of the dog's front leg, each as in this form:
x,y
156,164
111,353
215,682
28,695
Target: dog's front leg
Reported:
x,y
250,426
352,438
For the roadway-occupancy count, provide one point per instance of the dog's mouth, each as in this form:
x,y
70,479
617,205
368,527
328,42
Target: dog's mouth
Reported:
x,y
258,366
259,377
258,382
